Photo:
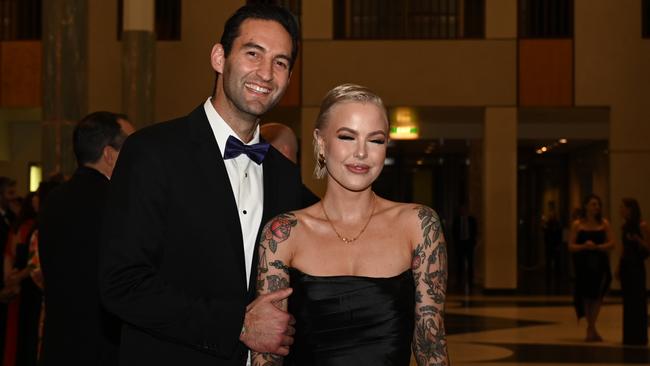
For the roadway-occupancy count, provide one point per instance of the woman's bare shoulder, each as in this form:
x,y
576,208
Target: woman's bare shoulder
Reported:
x,y
409,214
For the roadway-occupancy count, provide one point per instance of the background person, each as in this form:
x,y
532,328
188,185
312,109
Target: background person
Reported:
x,y
77,330
590,240
635,238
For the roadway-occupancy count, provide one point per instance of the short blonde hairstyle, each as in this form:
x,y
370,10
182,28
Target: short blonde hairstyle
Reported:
x,y
344,93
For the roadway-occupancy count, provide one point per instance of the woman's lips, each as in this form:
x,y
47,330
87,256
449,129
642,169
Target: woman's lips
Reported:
x,y
357,168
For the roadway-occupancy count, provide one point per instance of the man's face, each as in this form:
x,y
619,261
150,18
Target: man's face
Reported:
x,y
256,73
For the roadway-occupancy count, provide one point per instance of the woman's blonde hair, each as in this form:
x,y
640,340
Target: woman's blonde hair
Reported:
x,y
343,93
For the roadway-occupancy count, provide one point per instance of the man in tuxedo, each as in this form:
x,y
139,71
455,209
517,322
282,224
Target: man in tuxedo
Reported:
x,y
187,201
78,331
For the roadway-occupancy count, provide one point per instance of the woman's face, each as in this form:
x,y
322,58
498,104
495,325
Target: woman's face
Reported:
x,y
353,143
593,207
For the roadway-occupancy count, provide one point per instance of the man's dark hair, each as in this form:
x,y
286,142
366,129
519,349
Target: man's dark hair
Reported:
x,y
263,12
94,132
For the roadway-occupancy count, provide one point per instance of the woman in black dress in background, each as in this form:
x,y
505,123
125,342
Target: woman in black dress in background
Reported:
x,y
636,247
368,275
590,240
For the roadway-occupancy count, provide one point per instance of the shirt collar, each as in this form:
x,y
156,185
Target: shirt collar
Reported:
x,y
221,129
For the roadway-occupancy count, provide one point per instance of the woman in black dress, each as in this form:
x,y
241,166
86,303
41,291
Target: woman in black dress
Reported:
x,y
631,270
368,275
590,241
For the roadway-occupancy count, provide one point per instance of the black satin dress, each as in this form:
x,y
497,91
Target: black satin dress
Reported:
x,y
592,271
635,300
351,320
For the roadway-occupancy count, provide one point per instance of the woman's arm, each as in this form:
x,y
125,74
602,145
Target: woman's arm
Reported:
x,y
573,233
430,275
273,270
609,242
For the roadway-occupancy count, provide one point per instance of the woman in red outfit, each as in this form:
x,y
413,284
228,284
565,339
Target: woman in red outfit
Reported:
x,y
17,275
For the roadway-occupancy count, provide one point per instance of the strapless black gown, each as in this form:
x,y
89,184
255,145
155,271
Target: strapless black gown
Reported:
x,y
351,320
592,271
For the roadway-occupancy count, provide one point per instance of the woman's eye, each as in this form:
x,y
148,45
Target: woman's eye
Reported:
x,y
345,137
378,141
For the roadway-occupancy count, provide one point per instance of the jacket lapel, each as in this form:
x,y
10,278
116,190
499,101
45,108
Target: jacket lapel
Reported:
x,y
206,153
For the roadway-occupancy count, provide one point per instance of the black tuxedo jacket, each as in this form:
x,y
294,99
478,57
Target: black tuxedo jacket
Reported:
x,y
77,330
172,265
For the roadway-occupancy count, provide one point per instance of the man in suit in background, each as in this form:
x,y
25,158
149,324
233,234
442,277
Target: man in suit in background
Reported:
x,y
77,329
187,201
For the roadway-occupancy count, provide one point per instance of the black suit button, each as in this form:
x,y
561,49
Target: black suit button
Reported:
x,y
244,212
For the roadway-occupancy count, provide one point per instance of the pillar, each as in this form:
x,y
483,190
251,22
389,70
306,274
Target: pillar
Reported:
x,y
138,61
65,80
499,221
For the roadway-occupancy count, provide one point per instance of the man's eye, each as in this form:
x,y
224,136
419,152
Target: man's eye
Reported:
x,y
282,64
251,53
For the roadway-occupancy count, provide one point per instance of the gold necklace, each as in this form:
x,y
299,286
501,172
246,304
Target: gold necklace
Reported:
x,y
344,239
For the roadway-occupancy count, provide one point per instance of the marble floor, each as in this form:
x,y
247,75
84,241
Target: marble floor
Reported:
x,y
533,330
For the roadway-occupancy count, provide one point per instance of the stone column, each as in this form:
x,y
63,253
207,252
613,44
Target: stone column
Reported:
x,y
138,61
65,80
499,219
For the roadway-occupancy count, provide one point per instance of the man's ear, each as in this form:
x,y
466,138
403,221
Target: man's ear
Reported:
x,y
217,58
109,154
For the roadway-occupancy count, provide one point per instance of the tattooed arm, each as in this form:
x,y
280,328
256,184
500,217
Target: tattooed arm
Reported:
x,y
430,276
273,270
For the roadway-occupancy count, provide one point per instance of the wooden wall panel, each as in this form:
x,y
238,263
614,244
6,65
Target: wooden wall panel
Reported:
x,y
20,74
545,72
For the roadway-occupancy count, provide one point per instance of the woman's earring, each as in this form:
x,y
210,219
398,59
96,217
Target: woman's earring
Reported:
x,y
321,161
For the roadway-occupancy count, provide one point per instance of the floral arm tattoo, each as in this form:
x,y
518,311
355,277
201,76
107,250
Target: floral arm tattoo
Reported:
x,y
272,272
430,275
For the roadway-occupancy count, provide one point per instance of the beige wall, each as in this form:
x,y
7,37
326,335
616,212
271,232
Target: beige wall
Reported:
x,y
317,20
416,73
104,57
501,19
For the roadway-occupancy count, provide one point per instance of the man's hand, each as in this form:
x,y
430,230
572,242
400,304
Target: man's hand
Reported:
x,y
268,329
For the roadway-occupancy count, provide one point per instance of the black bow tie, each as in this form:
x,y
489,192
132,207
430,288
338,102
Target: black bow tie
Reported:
x,y
256,152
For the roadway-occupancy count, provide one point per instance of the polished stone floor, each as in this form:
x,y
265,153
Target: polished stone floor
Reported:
x,y
533,330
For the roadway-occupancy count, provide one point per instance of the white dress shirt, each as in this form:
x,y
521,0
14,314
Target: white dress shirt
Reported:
x,y
247,182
